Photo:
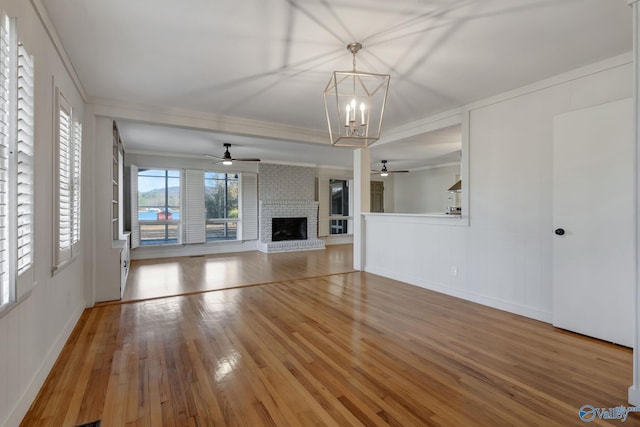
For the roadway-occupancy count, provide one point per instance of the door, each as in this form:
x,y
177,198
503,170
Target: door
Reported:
x,y
593,242
377,196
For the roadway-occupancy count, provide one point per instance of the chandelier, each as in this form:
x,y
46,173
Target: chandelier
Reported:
x,y
354,102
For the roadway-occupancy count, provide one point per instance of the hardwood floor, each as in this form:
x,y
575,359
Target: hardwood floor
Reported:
x,y
185,275
345,349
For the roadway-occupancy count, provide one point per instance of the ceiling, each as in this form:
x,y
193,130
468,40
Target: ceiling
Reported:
x,y
270,60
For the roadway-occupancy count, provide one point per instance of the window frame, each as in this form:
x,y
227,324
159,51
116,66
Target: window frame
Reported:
x,y
346,219
67,183
192,209
166,222
224,220
16,166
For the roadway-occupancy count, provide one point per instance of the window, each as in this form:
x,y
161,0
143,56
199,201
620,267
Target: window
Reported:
x,y
339,206
221,205
192,206
159,206
16,165
68,178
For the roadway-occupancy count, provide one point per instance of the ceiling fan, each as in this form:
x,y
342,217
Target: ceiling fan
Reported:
x,y
226,158
384,171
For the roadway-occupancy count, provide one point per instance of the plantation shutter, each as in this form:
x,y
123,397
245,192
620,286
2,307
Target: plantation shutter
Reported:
x,y
135,225
65,183
194,219
5,70
249,203
76,170
25,172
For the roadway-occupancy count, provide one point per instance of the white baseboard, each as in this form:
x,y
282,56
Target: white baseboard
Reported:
x,y
337,239
634,395
22,406
510,307
169,251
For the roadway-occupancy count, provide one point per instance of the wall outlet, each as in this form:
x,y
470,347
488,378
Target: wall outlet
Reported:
x,y
454,271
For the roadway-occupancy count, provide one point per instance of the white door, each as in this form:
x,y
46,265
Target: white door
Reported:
x,y
593,242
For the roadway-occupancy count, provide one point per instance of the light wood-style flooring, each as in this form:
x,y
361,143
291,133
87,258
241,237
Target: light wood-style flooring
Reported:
x,y
185,275
337,350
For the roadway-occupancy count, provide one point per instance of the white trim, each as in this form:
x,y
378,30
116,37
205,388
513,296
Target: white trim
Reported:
x,y
598,67
337,239
43,15
209,248
24,402
428,124
207,121
443,165
634,390
434,218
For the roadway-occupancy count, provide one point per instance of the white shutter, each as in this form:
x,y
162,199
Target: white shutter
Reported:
x,y
135,225
249,206
194,211
64,191
5,70
76,175
25,171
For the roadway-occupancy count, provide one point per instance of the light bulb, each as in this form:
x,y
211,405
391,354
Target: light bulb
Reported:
x,y
384,174
362,108
227,162
348,108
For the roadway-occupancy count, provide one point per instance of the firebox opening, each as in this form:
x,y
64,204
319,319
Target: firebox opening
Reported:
x,y
288,229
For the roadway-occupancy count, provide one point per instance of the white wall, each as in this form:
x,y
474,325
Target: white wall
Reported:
x,y
503,257
424,191
34,331
285,182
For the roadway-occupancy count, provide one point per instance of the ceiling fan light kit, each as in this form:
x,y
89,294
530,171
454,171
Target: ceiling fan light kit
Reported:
x,y
226,158
384,171
354,103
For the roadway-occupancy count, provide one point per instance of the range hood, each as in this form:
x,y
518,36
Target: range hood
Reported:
x,y
457,187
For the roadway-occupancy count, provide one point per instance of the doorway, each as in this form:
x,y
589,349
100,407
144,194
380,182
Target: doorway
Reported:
x,y
377,196
593,245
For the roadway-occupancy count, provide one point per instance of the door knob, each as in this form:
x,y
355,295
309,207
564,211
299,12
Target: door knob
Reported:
x,y
559,231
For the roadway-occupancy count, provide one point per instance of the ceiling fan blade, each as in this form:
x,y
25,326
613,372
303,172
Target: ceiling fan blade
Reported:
x,y
397,171
246,159
212,156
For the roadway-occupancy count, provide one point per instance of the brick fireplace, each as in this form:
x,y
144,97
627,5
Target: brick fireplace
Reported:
x,y
270,209
287,191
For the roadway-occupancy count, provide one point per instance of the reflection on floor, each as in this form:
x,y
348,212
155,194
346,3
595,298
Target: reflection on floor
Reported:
x,y
352,349
185,275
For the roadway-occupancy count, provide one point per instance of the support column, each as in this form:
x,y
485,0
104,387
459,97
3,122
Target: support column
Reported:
x,y
634,390
361,194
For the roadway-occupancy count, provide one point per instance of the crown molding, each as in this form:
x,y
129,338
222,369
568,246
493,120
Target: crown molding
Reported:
x,y
206,121
578,73
428,124
50,29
